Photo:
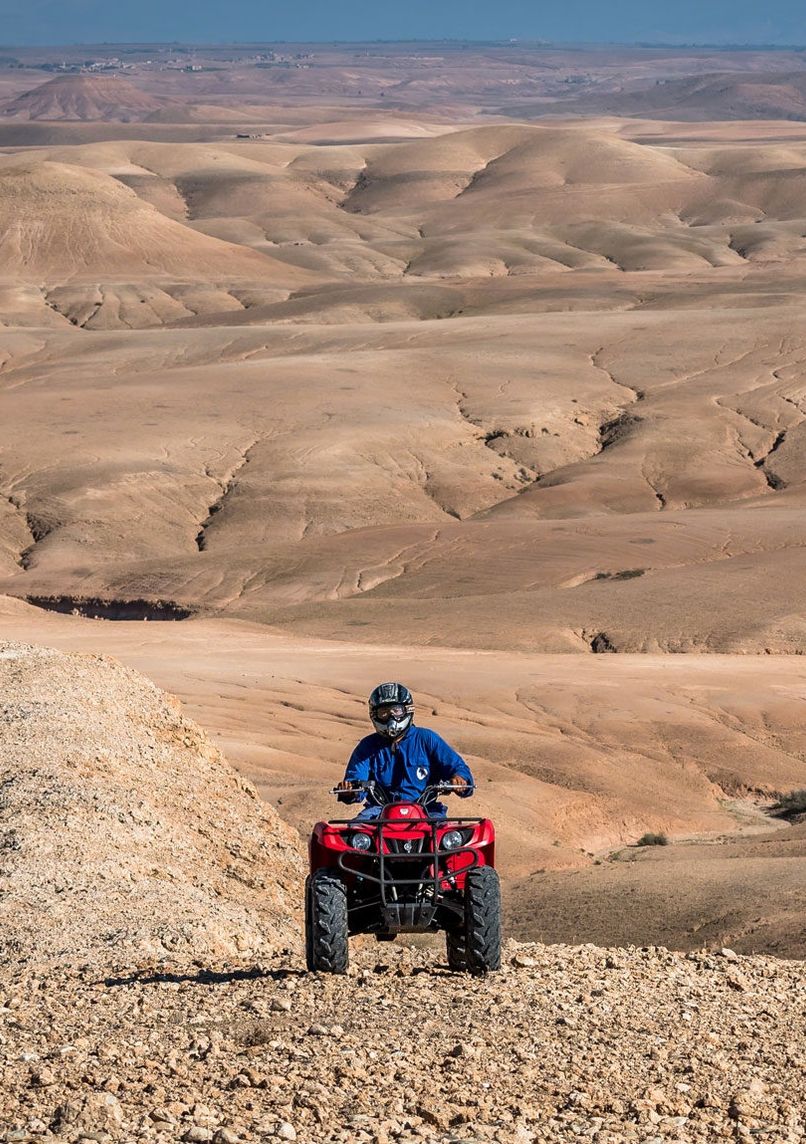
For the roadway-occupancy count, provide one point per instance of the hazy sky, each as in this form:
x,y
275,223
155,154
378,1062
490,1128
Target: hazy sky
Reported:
x,y
88,21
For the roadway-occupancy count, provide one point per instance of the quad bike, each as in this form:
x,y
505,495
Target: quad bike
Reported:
x,y
406,871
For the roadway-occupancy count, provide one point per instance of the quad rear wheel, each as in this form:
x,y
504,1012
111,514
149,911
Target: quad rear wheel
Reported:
x,y
482,930
456,946
326,932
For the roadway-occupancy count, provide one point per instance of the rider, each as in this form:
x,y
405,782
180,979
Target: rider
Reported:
x,y
401,758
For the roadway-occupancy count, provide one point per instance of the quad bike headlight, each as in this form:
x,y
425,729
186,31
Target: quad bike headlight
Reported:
x,y
360,841
452,840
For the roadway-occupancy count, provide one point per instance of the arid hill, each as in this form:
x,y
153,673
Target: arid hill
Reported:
x,y
126,839
61,222
775,95
85,98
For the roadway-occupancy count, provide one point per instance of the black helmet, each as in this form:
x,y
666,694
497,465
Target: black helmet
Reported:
x,y
391,709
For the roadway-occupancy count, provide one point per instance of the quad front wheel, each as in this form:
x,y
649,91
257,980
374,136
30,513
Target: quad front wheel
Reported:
x,y
326,933
482,931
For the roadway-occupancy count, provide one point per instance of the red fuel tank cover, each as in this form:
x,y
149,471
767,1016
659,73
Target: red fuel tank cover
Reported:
x,y
403,812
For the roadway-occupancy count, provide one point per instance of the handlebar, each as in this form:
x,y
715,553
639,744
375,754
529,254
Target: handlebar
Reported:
x,y
383,798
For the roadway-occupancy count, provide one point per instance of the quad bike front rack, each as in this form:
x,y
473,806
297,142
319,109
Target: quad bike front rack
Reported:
x,y
405,915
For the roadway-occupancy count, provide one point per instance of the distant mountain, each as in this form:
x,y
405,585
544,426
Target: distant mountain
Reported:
x,y
84,98
739,95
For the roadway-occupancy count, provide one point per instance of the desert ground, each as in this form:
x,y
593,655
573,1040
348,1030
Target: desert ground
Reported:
x,y
478,366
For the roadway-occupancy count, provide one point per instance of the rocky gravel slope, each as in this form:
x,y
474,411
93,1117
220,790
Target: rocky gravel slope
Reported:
x,y
564,1044
124,835
152,986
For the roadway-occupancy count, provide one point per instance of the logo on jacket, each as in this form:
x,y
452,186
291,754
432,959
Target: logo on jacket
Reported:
x,y
422,773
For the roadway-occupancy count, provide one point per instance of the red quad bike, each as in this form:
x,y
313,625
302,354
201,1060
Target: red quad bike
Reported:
x,y
407,871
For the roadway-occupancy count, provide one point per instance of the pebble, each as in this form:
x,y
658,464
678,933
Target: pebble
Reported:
x,y
162,1114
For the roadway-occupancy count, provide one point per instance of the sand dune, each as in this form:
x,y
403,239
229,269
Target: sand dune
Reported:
x,y
317,368
576,198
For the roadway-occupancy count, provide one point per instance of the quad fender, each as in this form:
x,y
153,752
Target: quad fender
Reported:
x,y
327,844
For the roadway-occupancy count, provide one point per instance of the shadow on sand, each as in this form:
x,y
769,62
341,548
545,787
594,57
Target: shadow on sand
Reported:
x,y
202,976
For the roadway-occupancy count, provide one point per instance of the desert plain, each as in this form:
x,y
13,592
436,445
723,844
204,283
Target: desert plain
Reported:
x,y
478,366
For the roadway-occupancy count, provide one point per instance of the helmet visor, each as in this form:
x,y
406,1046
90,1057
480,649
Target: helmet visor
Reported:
x,y
389,711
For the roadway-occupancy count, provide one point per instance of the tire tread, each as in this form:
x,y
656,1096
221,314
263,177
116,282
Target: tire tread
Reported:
x,y
483,920
326,932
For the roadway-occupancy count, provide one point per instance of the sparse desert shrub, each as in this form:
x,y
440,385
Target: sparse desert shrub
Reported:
x,y
652,840
253,1033
792,803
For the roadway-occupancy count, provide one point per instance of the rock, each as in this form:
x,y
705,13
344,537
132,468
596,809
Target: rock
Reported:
x,y
286,1131
197,1134
280,1005
225,1136
163,1115
97,1110
43,1077
728,954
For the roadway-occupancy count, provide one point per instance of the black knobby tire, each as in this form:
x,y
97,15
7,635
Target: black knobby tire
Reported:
x,y
483,920
456,947
326,933
308,927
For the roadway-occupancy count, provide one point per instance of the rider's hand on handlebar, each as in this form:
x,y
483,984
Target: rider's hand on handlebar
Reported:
x,y
343,790
458,782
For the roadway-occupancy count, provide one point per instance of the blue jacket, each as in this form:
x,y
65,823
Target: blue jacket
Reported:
x,y
420,759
